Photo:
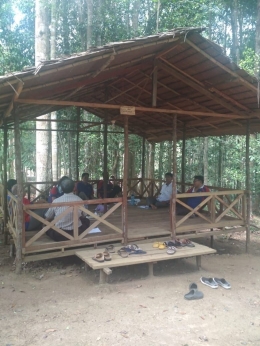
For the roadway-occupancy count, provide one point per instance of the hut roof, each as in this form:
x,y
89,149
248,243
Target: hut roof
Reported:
x,y
184,72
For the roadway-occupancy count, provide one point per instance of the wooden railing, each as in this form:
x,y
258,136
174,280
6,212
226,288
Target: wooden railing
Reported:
x,y
218,209
31,245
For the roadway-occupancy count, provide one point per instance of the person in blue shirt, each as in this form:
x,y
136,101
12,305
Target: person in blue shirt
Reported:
x,y
84,190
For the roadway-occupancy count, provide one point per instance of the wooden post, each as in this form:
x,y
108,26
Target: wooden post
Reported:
x,y
124,206
5,216
173,200
143,167
19,177
183,156
77,144
247,185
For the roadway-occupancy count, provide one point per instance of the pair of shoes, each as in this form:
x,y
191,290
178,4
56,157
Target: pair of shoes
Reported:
x,y
102,256
193,294
186,242
176,243
159,245
215,282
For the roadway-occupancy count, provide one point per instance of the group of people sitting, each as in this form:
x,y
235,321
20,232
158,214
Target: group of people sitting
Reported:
x,y
163,200
67,191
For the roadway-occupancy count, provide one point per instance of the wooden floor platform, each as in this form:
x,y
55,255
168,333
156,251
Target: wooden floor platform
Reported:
x,y
152,256
142,224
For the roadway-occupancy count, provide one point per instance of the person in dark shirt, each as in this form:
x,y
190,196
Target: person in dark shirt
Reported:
x,y
84,190
113,190
193,202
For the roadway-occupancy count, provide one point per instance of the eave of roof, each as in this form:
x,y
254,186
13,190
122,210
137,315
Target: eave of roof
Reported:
x,y
211,95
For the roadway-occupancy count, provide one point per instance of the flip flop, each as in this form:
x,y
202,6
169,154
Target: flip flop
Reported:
x,y
162,246
209,282
223,283
107,256
171,250
99,257
123,253
137,252
110,248
193,286
193,295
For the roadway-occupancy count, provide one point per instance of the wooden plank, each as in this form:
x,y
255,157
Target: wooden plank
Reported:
x,y
152,255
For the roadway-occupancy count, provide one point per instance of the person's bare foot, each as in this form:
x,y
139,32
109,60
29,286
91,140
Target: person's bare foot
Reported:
x,y
153,206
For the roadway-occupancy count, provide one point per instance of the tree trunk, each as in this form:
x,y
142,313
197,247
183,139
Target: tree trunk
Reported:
x,y
234,26
41,53
257,44
98,22
54,139
151,160
157,15
135,16
205,160
90,21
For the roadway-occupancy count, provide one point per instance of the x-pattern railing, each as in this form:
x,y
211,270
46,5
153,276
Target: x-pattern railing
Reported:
x,y
220,204
74,207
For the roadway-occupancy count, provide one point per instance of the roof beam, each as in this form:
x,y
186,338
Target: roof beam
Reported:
x,y
142,109
17,93
171,69
241,79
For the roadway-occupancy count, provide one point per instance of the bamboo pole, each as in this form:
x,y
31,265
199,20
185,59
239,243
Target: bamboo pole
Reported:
x,y
19,177
247,185
183,157
142,109
173,200
143,166
105,175
124,208
5,211
77,144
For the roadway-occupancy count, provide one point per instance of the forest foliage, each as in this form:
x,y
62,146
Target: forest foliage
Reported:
x,y
80,24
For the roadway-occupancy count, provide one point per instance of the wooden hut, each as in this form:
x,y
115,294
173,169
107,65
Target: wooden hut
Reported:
x,y
169,86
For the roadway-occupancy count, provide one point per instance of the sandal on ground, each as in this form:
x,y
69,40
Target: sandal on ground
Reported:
x,y
223,283
156,244
110,248
171,250
123,253
193,295
99,257
209,282
107,256
193,286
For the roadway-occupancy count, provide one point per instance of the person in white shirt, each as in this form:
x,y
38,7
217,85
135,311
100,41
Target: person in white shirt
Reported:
x,y
66,222
163,200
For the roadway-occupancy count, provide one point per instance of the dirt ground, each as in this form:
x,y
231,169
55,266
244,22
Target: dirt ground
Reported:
x,y
56,302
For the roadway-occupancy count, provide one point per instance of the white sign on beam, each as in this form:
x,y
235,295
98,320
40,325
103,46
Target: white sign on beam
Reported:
x,y
127,110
